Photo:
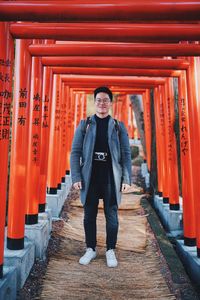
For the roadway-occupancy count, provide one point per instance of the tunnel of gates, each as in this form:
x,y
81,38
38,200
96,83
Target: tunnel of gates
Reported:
x,y
147,48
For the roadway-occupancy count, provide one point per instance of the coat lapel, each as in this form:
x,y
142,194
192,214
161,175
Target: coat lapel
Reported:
x,y
111,125
93,130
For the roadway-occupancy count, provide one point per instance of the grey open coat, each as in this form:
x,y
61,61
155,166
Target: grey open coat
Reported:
x,y
82,155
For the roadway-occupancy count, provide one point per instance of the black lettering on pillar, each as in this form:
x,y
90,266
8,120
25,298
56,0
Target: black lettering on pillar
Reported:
x,y
5,98
36,124
57,113
64,123
5,63
162,122
169,129
183,128
45,115
23,95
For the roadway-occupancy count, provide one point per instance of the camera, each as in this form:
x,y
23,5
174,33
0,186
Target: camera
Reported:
x,y
100,156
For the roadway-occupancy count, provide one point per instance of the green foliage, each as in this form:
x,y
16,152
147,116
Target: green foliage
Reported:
x,y
134,151
138,161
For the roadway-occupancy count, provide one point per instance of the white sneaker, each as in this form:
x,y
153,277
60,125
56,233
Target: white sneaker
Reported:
x,y
88,256
111,259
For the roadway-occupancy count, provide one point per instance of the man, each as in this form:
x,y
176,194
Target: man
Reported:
x,y
101,169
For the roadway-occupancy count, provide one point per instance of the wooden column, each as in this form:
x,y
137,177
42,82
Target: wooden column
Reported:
x,y
6,69
18,162
189,224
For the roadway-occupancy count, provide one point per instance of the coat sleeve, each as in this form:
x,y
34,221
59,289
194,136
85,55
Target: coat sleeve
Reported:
x,y
76,152
125,155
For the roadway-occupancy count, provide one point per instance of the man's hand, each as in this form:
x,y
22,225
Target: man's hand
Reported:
x,y
77,185
125,187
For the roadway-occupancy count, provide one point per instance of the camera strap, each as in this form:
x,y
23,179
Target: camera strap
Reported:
x,y
117,127
87,124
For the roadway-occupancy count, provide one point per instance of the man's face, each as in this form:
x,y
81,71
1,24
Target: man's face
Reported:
x,y
102,103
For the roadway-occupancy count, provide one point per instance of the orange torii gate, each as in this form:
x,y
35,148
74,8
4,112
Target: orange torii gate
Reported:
x,y
116,71
34,142
52,184
116,49
111,10
116,62
113,80
17,196
126,110
55,174
167,196
89,90
171,149
115,89
45,132
128,10
6,68
63,70
89,80
115,106
175,206
186,162
194,110
115,32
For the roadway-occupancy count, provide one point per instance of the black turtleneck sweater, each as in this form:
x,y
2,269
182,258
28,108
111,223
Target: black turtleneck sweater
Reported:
x,y
102,171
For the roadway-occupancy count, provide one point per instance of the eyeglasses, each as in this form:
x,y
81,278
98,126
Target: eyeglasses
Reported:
x,y
103,101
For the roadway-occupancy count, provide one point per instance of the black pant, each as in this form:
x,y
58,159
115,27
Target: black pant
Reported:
x,y
107,193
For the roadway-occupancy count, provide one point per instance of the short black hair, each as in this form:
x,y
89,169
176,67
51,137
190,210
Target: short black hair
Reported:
x,y
103,89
